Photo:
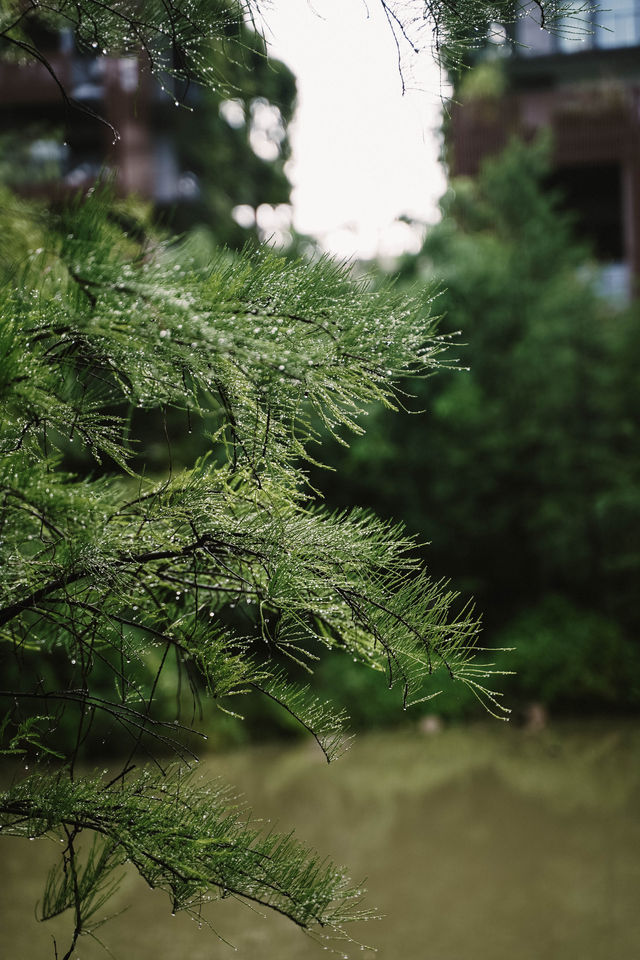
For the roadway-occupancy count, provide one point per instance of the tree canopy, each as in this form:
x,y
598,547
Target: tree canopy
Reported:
x,y
523,474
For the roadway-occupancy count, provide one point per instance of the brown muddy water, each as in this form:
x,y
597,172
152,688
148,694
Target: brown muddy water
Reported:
x,y
481,843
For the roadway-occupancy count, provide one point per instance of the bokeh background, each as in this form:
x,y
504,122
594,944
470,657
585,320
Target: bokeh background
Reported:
x,y
518,469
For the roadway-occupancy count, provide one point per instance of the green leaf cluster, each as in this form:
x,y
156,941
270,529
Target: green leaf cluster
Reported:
x,y
226,575
184,836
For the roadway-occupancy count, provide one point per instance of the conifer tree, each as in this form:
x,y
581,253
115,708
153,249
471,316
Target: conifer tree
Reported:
x,y
114,572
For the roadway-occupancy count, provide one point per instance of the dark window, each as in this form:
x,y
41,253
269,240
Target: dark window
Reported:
x,y
593,195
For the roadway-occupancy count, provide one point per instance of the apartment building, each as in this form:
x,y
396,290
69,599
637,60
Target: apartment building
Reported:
x,y
581,81
79,113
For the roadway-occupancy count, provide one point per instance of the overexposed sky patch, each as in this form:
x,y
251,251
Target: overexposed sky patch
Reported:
x,y
363,154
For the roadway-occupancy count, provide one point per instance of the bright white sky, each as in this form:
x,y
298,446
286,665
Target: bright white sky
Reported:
x,y
363,154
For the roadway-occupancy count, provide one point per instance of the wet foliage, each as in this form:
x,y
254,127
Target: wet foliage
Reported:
x,y
222,578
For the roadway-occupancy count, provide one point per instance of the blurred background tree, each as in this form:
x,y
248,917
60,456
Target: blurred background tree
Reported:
x,y
524,473
236,145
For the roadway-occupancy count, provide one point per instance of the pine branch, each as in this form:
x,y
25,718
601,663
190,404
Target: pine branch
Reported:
x,y
182,838
109,573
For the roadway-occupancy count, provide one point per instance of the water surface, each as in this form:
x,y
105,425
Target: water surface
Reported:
x,y
483,843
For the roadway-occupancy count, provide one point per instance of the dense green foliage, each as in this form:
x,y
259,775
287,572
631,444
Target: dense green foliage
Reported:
x,y
112,568
571,657
227,567
523,474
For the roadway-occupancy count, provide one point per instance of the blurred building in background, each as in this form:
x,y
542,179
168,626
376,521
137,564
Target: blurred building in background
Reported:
x,y
75,115
582,83
112,117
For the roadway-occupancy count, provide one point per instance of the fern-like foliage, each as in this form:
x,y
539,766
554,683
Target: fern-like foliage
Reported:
x,y
118,578
189,839
113,573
